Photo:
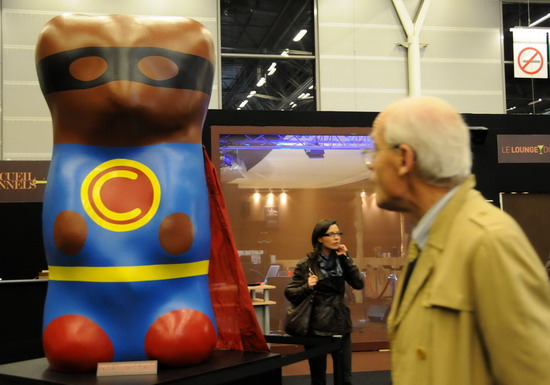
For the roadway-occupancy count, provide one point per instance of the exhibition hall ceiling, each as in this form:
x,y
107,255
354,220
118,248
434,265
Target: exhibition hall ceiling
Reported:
x,y
281,31
269,28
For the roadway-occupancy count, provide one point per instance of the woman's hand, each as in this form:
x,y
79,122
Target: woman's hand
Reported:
x,y
312,280
342,249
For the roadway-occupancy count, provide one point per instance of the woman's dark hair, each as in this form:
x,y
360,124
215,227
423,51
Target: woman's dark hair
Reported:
x,y
320,228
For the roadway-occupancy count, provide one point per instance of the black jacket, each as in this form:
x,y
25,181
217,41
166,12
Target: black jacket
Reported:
x,y
330,316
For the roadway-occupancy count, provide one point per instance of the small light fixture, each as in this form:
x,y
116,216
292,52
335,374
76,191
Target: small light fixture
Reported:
x,y
243,103
270,200
300,35
261,82
537,22
256,196
283,197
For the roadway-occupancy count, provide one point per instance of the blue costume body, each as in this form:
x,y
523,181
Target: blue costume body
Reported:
x,y
122,278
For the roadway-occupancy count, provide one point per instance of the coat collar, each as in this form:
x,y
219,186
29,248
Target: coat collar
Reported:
x,y
438,234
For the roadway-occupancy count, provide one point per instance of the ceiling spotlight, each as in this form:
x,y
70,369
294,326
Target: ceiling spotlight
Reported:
x,y
315,154
539,20
256,196
272,68
261,82
270,199
300,35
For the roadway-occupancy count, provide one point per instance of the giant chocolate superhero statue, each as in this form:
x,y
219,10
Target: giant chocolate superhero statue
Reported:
x,y
129,202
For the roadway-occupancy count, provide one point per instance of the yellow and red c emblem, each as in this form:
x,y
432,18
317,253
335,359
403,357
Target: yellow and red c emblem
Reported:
x,y
121,194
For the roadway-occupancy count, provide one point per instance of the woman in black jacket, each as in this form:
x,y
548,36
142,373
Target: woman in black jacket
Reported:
x,y
325,271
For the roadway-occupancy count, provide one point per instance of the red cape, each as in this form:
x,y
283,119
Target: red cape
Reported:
x,y
238,327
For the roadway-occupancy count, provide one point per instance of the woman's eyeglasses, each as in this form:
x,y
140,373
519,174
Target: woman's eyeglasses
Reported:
x,y
333,234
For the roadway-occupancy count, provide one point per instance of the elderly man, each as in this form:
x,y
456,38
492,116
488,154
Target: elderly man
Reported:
x,y
473,305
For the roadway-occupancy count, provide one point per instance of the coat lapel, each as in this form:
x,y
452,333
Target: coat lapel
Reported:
x,y
412,254
422,270
427,259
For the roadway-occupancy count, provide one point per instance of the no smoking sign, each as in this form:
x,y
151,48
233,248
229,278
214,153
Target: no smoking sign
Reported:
x,y
531,61
530,54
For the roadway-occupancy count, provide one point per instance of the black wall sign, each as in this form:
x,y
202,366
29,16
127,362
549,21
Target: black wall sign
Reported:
x,y
23,181
523,148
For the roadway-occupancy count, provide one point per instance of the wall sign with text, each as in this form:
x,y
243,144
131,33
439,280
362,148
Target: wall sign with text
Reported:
x,y
23,181
523,148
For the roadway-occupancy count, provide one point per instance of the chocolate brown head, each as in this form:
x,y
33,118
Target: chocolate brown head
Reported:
x,y
120,80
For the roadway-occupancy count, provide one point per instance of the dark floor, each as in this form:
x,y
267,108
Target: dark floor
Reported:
x,y
361,362
359,378
369,343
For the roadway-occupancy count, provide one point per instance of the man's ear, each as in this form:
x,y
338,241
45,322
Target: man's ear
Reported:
x,y
408,159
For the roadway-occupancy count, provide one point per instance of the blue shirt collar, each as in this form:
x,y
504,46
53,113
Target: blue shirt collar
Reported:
x,y
422,229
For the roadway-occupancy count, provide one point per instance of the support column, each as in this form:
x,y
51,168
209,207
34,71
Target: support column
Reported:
x,y
413,45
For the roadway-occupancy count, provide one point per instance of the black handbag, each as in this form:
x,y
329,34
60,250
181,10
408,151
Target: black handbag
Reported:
x,y
298,317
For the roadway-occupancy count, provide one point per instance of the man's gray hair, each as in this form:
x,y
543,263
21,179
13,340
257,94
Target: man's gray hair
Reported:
x,y
438,135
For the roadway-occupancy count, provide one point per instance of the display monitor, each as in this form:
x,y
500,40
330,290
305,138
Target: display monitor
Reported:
x,y
272,272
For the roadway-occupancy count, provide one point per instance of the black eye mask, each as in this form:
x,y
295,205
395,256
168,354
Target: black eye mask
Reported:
x,y
195,72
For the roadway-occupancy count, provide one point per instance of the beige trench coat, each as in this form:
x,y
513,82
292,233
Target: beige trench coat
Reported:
x,y
477,308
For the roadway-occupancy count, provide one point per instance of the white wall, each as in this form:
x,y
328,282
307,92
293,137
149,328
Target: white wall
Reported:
x,y
363,69
361,66
26,122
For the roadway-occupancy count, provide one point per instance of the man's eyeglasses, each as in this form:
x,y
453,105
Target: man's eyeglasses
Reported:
x,y
333,234
369,154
